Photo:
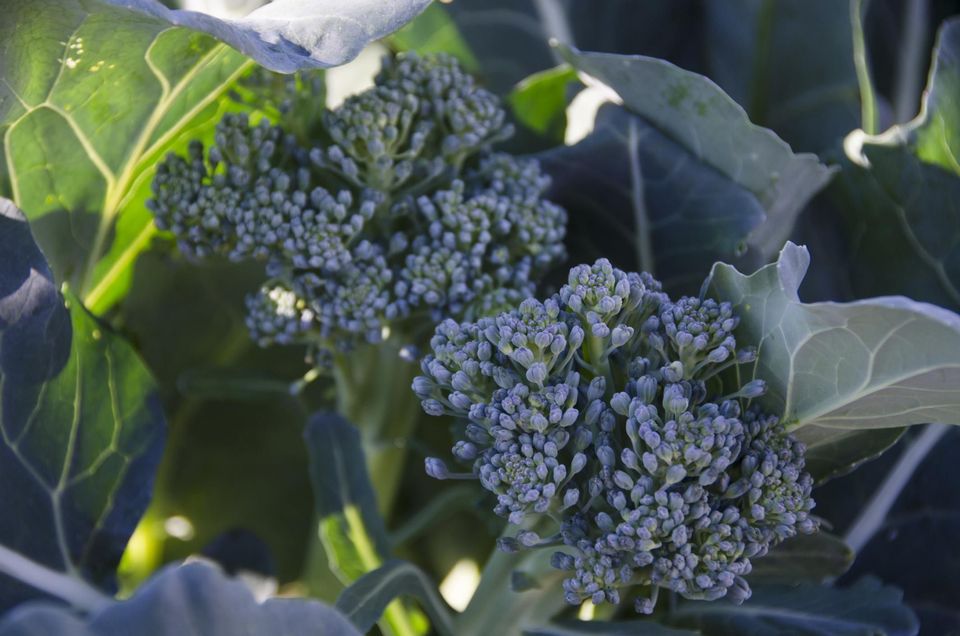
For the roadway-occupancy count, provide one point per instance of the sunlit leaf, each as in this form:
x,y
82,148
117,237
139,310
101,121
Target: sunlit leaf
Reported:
x,y
93,94
82,430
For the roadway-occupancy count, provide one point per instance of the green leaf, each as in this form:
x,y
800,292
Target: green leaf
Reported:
x,y
866,608
351,529
836,371
195,599
845,453
82,432
94,93
539,102
805,557
764,56
900,198
510,38
640,199
72,67
695,113
760,52
913,545
365,601
350,525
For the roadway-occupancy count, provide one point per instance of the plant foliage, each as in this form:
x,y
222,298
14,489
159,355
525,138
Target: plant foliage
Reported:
x,y
669,288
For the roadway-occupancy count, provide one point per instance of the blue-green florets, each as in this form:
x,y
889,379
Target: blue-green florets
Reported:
x,y
394,206
615,412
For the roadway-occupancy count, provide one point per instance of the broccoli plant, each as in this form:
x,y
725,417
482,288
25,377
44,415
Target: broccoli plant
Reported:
x,y
322,340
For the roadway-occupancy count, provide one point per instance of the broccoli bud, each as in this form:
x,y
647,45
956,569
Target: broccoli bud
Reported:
x,y
393,206
608,408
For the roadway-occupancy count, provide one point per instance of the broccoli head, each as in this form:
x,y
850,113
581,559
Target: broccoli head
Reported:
x,y
396,208
607,411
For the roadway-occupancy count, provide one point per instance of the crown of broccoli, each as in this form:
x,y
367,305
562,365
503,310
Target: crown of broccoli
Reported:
x,y
605,408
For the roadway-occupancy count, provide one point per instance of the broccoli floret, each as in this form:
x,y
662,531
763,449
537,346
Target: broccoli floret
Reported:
x,y
604,409
397,208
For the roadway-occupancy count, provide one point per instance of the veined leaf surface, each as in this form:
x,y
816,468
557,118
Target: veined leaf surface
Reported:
x,y
82,431
836,371
94,92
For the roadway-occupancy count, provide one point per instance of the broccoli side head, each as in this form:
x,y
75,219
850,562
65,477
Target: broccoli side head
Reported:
x,y
394,208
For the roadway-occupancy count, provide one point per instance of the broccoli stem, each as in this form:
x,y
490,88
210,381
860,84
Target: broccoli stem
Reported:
x,y
373,393
599,359
496,609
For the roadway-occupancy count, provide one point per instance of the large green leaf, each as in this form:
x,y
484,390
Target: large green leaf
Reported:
x,y
639,198
510,37
864,609
836,371
715,130
196,599
287,35
350,526
82,431
763,54
351,529
913,546
900,198
759,51
93,93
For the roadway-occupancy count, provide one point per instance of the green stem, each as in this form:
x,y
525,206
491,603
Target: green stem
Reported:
x,y
496,609
868,101
641,218
598,359
374,394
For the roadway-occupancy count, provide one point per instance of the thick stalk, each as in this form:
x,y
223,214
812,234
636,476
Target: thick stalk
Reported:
x,y
496,609
374,394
